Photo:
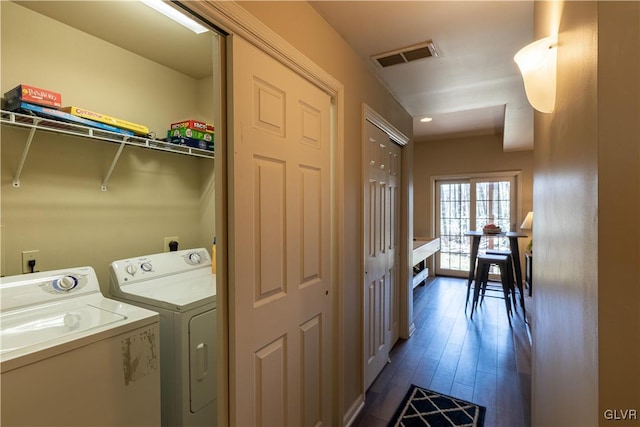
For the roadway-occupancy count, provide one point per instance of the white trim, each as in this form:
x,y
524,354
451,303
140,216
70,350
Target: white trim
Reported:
x,y
354,411
509,173
376,119
235,20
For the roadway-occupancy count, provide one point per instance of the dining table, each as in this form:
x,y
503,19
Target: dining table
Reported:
x,y
513,237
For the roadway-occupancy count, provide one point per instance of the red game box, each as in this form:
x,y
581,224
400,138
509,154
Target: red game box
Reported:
x,y
193,124
34,95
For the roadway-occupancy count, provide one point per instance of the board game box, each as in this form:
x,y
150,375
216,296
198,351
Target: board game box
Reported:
x,y
190,142
61,115
191,133
193,124
103,118
32,95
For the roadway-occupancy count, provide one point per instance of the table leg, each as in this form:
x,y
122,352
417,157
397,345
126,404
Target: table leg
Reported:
x,y
475,245
515,254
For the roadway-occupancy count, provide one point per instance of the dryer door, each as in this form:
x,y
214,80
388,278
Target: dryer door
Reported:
x,y
202,354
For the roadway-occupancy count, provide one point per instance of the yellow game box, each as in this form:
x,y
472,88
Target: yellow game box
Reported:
x,y
103,118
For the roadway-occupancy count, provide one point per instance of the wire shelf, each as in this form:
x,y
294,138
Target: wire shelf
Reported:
x,y
37,123
72,129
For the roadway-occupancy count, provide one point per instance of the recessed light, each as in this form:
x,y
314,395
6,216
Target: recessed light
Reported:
x,y
426,119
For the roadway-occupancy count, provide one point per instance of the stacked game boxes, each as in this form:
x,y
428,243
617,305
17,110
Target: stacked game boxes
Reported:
x,y
192,133
46,103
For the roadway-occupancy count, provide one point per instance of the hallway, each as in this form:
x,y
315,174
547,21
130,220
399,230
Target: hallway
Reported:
x,y
480,360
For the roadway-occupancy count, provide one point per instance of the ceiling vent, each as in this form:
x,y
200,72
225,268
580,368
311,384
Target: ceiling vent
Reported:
x,y
407,54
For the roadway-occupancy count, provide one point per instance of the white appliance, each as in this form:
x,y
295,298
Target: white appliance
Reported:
x,y
182,289
71,357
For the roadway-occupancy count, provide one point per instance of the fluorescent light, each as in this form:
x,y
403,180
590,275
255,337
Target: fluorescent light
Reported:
x,y
426,119
176,15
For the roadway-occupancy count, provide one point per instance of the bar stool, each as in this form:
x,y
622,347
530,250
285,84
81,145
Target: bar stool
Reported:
x,y
512,276
510,273
476,283
485,261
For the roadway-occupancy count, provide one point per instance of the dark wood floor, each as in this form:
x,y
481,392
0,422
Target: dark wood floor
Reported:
x,y
481,360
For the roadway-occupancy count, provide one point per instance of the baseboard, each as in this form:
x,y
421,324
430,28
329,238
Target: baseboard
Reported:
x,y
412,329
527,325
353,411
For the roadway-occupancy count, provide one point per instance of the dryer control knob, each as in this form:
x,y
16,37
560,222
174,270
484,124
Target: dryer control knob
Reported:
x,y
131,269
194,258
146,266
66,283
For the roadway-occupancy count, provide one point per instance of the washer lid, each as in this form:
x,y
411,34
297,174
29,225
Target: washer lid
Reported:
x,y
178,291
47,287
38,327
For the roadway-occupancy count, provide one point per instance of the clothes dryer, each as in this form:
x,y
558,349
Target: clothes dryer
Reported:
x,y
179,286
71,357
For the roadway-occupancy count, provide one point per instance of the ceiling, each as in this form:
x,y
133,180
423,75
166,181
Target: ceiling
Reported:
x,y
472,87
137,28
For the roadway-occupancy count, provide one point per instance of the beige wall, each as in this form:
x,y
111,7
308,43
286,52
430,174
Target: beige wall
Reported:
x,y
587,201
465,156
619,206
59,208
301,26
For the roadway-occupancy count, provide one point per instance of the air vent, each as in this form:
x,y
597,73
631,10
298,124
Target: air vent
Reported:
x,y
407,54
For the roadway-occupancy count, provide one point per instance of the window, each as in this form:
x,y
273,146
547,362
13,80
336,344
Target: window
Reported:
x,y
469,203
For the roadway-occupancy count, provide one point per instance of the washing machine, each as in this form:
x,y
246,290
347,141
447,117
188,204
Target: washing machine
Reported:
x,y
181,287
71,357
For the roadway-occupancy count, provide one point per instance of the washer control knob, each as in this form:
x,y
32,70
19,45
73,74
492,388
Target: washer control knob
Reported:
x,y
146,266
66,283
131,269
194,258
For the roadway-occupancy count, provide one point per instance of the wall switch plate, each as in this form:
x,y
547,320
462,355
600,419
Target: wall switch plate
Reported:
x,y
169,239
29,256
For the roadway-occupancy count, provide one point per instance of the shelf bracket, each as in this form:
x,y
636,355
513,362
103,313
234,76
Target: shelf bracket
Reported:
x,y
103,186
25,152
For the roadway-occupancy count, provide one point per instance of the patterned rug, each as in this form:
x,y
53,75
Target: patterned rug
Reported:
x,y
422,407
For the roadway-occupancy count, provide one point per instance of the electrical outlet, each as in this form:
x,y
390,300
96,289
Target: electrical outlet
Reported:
x,y
29,256
169,239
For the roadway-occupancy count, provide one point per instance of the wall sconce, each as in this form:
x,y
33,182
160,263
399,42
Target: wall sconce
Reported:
x,y
537,63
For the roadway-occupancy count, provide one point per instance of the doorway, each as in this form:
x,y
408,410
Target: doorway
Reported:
x,y
469,203
386,300
382,254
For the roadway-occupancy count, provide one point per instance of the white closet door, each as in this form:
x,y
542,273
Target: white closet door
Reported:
x,y
280,316
382,253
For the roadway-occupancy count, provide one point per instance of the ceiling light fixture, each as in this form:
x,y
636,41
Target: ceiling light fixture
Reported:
x,y
426,119
176,15
537,63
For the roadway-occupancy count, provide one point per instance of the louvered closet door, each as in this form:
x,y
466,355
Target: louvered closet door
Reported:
x,y
381,244
280,332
